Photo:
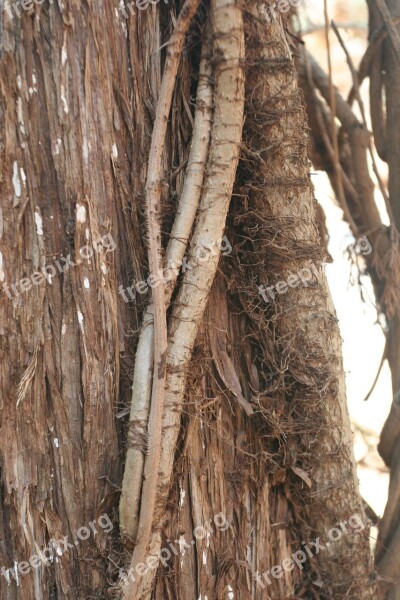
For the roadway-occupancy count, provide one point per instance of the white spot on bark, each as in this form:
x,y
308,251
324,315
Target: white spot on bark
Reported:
x,y
204,557
64,55
23,176
182,497
64,100
19,82
231,595
86,283
80,213
122,20
80,318
20,115
85,149
15,180
39,223
56,443
57,146
103,268
182,546
2,274
87,234
63,329
34,80
114,151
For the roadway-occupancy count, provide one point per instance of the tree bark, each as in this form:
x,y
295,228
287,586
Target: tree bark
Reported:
x,y
256,448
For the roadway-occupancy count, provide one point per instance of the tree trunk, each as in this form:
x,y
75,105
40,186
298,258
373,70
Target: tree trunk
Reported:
x,y
256,447
381,65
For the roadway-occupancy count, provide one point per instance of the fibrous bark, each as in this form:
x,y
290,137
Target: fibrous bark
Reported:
x,y
306,386
249,394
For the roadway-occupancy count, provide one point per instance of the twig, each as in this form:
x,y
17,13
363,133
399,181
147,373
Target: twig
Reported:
x,y
336,159
359,145
392,32
384,357
347,184
362,110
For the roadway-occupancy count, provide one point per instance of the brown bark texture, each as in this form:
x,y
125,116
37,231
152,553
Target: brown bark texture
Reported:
x,y
253,458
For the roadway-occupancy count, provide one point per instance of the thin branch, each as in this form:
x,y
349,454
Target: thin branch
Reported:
x,y
228,60
363,115
359,144
335,143
153,196
391,29
185,216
